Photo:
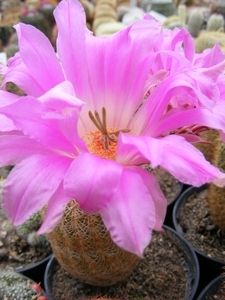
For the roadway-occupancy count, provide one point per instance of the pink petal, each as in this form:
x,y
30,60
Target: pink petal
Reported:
x,y
92,181
71,23
31,184
56,131
157,196
13,148
192,91
61,96
18,73
55,210
173,153
7,98
39,56
120,63
131,217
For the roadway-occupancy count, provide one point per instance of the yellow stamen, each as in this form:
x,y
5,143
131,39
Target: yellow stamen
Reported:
x,y
96,146
102,142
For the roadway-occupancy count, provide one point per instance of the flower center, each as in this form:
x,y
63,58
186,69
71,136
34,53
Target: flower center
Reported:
x,y
102,142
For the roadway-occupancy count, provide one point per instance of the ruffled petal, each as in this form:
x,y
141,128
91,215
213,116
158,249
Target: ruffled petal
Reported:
x,y
92,181
157,196
173,153
15,147
131,217
55,210
186,88
115,65
31,184
39,57
61,96
18,73
71,44
54,130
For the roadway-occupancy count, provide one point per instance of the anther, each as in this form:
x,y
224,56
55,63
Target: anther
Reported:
x,y
102,127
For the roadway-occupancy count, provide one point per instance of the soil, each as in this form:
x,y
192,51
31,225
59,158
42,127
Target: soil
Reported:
x,y
170,186
216,293
162,274
198,228
15,252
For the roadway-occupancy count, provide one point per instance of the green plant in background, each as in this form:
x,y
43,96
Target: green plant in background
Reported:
x,y
215,22
178,20
208,39
46,10
38,20
194,22
13,286
218,7
28,231
166,8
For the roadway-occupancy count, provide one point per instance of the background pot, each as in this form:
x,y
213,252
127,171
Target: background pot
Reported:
x,y
191,264
209,267
209,291
36,271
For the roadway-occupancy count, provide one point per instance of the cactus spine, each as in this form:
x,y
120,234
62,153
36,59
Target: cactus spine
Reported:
x,y
14,286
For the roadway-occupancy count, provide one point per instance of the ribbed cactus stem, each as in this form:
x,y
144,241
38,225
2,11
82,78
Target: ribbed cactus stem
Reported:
x,y
216,195
195,21
208,39
215,22
182,13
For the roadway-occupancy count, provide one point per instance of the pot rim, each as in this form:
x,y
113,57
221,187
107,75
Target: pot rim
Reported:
x,y
190,257
211,287
188,192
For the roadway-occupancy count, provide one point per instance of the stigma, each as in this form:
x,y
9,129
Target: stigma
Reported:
x,y
103,141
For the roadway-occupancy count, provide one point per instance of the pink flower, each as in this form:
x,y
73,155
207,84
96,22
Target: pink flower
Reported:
x,y
92,116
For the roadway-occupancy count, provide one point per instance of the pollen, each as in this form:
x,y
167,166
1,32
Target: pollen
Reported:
x,y
95,143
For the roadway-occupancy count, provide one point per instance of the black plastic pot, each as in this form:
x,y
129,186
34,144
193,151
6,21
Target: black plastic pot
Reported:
x,y
210,290
169,219
191,264
36,271
209,267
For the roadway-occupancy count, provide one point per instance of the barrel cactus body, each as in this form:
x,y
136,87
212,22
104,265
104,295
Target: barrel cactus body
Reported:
x,y
194,22
164,7
208,39
216,195
83,247
215,22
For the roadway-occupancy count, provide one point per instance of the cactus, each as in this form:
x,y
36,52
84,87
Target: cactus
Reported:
x,y
209,136
46,10
194,22
14,286
89,247
28,231
104,12
215,22
32,224
37,240
166,8
208,39
216,195
182,13
38,20
19,292
218,7
9,277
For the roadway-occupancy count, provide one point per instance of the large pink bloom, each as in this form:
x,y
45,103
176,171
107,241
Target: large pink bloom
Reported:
x,y
96,112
